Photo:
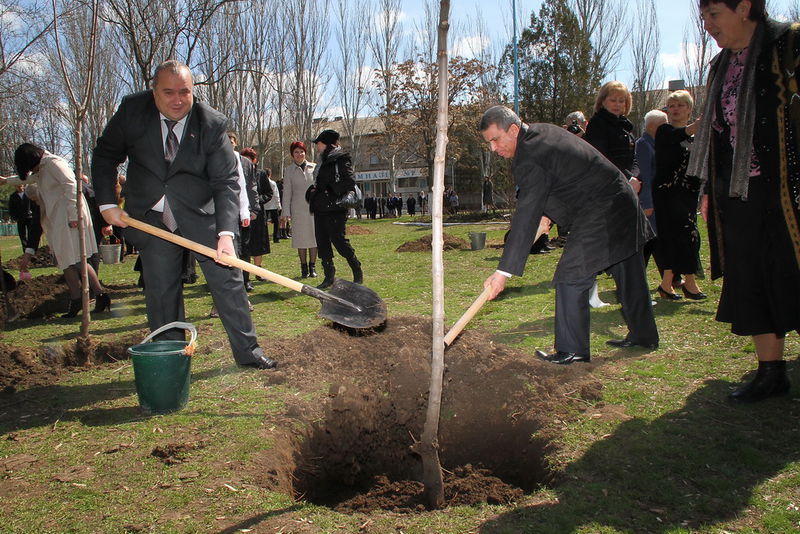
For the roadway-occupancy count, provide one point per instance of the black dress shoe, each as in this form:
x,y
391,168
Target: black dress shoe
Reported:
x,y
667,295
693,296
563,358
248,287
261,362
627,343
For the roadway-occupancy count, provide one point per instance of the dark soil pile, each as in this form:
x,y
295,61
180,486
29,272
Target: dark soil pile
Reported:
x,y
498,418
423,244
44,257
355,229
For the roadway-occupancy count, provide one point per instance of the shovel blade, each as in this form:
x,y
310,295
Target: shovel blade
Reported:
x,y
369,311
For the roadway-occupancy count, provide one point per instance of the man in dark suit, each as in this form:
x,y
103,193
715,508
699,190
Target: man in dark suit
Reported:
x,y
560,176
182,176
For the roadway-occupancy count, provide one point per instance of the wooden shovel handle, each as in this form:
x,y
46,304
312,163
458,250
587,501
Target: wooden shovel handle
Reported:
x,y
481,300
211,253
470,313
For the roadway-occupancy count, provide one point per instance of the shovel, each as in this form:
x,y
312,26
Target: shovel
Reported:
x,y
345,303
482,298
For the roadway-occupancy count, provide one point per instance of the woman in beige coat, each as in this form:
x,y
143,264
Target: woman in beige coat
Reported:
x,y
297,178
57,197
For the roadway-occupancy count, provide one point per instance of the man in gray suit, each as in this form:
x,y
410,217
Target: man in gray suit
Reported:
x,y
563,177
181,177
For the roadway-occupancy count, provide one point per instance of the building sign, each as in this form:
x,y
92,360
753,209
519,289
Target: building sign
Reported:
x,y
371,176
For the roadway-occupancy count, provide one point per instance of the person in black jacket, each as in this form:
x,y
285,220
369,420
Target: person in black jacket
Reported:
x,y
29,227
609,130
334,178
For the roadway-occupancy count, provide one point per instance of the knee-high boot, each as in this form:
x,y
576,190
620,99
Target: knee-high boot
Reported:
x,y
330,273
358,274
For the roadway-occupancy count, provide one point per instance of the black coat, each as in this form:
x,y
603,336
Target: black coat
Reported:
x,y
612,136
334,178
19,208
561,176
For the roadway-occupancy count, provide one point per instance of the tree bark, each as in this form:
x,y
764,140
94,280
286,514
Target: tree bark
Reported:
x,y
428,446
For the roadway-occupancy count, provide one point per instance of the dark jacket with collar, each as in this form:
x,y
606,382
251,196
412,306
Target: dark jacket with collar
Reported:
x,y
19,207
200,184
561,176
334,178
612,136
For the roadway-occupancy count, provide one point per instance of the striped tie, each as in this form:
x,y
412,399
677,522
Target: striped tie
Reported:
x,y
170,150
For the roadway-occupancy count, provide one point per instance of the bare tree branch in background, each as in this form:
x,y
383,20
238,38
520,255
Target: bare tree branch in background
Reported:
x,y
645,45
307,35
603,22
352,76
82,47
22,24
152,32
698,50
385,44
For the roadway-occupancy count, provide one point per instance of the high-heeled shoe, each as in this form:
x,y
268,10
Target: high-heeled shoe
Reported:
x,y
667,295
694,296
74,308
102,302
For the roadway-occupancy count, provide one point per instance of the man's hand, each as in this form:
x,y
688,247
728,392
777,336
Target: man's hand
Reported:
x,y
245,223
648,212
496,283
224,248
113,216
636,184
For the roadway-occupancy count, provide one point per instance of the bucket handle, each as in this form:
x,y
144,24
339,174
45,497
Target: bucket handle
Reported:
x,y
189,349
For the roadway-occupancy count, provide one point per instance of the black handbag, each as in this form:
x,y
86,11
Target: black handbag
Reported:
x,y
351,198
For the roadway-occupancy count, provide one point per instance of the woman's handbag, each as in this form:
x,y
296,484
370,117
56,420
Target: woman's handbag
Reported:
x,y
351,199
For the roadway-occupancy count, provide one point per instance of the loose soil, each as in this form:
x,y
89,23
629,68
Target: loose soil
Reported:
x,y
360,401
353,454
355,229
423,244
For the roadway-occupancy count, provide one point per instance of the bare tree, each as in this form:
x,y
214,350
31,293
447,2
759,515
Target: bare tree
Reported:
x,y
698,51
352,76
603,22
385,44
428,446
22,24
645,45
79,93
151,32
307,40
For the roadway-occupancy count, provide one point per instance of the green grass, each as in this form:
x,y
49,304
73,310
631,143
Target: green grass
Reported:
x,y
683,460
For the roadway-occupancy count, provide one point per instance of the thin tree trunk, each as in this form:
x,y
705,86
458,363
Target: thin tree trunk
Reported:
x,y
428,446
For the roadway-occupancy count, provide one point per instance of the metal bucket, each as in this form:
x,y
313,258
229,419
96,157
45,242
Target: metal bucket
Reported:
x,y
161,370
477,240
110,253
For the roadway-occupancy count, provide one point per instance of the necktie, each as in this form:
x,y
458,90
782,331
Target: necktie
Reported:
x,y
170,150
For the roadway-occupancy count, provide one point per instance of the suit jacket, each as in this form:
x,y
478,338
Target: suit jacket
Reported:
x,y
200,184
565,178
19,208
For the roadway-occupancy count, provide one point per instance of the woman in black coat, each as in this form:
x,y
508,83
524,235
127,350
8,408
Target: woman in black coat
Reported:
x,y
610,131
334,177
675,199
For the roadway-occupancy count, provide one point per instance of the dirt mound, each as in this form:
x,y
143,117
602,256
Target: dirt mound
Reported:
x,y
26,368
498,418
423,244
355,229
44,257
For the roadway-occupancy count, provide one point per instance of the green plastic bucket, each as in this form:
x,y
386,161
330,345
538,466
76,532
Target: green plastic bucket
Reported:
x,y
162,370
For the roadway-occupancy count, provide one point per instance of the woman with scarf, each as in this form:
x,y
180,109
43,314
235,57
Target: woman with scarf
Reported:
x,y
334,177
746,152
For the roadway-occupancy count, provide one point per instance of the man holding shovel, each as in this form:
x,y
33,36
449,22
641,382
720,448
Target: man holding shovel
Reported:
x,y
560,176
182,178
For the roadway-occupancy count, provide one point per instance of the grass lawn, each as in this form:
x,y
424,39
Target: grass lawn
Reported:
x,y
75,455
